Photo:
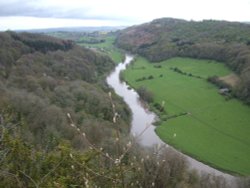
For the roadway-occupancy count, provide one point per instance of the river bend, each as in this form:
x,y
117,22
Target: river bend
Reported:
x,y
142,118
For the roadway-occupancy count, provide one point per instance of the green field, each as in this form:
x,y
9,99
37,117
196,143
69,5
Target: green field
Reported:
x,y
214,130
106,47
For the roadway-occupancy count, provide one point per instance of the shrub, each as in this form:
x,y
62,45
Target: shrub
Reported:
x,y
145,94
150,77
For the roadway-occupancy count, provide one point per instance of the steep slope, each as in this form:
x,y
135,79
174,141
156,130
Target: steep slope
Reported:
x,y
164,38
44,78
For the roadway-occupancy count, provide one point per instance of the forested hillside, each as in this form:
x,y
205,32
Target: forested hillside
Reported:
x,y
44,78
161,39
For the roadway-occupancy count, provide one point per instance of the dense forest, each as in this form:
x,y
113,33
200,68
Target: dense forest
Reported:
x,y
42,80
61,126
227,42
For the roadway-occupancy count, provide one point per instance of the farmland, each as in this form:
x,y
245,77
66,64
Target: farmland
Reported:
x,y
196,120
104,46
102,42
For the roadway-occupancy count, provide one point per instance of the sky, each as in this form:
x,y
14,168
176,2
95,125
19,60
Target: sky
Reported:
x,y
36,14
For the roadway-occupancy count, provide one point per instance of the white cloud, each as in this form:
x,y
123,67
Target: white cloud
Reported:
x,y
133,11
22,23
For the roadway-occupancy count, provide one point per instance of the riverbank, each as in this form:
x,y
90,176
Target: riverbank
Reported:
x,y
149,137
142,119
208,129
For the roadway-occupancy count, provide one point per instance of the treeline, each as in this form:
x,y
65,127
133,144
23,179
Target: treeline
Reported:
x,y
228,42
41,42
92,41
13,46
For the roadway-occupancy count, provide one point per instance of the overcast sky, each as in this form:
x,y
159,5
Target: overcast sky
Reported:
x,y
30,14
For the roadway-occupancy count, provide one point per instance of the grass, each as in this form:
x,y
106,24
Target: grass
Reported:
x,y
214,131
107,48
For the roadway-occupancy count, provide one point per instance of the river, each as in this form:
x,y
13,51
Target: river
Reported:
x,y
142,118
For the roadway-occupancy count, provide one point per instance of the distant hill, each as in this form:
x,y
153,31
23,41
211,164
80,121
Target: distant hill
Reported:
x,y
75,29
164,38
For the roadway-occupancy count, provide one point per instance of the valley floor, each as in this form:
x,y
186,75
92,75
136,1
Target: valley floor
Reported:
x,y
197,119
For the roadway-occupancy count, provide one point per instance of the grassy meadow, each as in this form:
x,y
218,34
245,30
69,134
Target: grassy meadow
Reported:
x,y
107,47
105,44
214,130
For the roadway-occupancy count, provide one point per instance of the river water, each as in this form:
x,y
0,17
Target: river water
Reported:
x,y
142,119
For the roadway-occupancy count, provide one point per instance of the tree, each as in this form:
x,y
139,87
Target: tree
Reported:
x,y
145,94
